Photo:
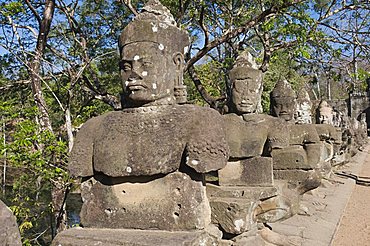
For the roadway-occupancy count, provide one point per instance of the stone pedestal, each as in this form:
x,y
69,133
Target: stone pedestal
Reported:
x,y
174,202
256,171
126,237
293,157
233,206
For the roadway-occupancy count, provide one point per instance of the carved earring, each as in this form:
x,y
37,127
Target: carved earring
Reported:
x,y
180,92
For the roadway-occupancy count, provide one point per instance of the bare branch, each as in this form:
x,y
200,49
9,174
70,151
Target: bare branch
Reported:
x,y
213,102
129,6
235,32
203,26
34,11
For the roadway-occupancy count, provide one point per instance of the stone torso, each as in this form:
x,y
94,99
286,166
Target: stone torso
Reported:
x,y
149,141
254,134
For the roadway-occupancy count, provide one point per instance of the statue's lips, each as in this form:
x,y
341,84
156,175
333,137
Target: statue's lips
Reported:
x,y
136,87
246,104
284,113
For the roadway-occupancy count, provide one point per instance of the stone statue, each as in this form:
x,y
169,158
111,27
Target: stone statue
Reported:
x,y
303,113
325,113
142,167
268,132
246,183
283,100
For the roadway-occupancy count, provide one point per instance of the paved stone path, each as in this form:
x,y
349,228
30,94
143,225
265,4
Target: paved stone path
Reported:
x,y
323,209
354,228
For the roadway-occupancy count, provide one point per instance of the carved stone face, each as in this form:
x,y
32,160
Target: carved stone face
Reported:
x,y
283,107
147,74
247,89
325,113
303,113
325,118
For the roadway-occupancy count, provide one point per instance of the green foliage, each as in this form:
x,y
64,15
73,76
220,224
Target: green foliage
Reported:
x,y
282,66
212,79
32,170
12,8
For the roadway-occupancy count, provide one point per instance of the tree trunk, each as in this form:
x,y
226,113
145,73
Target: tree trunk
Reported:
x,y
35,66
57,192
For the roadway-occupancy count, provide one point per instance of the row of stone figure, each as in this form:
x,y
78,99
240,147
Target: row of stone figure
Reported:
x,y
161,173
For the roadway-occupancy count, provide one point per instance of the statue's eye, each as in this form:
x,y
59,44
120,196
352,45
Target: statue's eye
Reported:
x,y
239,85
125,65
147,63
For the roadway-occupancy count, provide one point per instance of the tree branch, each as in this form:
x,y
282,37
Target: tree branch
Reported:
x,y
212,102
235,32
129,6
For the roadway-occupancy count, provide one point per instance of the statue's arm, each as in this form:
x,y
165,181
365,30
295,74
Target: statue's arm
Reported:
x,y
81,157
207,149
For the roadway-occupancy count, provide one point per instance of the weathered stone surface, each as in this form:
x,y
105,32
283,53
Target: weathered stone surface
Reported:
x,y
243,145
293,157
277,208
9,232
280,207
255,240
174,202
302,134
147,143
316,154
328,132
257,193
268,133
255,171
233,215
126,237
291,175
246,82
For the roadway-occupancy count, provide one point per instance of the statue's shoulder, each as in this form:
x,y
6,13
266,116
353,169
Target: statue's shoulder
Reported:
x,y
198,112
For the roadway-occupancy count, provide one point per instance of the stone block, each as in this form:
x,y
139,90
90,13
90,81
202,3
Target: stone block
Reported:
x,y
315,154
233,215
257,193
292,157
174,202
126,237
278,208
256,171
291,175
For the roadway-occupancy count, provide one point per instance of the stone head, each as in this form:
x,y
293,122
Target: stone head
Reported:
x,y
325,113
283,100
303,114
152,55
247,88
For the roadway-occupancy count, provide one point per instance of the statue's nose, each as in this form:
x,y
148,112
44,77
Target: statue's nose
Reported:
x,y
134,76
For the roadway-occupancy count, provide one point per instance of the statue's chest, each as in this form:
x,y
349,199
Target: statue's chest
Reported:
x,y
245,139
139,144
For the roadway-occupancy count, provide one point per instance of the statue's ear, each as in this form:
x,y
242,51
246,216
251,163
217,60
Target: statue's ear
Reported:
x,y
178,59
